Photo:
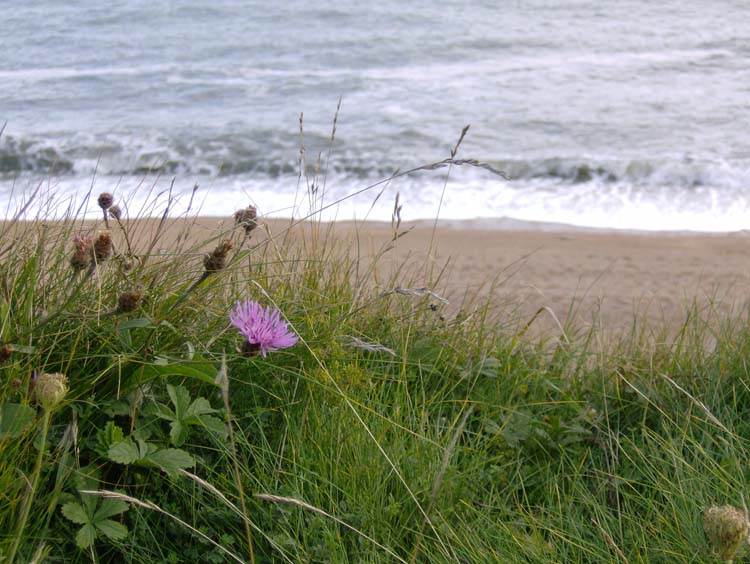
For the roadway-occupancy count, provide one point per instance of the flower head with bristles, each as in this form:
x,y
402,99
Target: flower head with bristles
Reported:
x,y
263,328
247,219
105,200
50,389
726,528
80,258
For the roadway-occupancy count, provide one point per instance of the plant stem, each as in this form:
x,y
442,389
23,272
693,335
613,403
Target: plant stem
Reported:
x,y
34,484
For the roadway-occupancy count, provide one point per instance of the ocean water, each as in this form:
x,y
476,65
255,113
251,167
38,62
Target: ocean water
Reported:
x,y
618,114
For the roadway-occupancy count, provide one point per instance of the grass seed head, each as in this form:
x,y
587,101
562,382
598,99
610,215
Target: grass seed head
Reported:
x,y
217,259
726,529
115,212
105,200
50,390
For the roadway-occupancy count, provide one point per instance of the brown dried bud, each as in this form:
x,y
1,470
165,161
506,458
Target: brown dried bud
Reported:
x,y
129,301
5,352
217,260
50,390
102,246
726,529
80,257
115,212
105,200
246,218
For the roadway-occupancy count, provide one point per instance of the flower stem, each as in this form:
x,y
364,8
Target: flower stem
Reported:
x,y
32,493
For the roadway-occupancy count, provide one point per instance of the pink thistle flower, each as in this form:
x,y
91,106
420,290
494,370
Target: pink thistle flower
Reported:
x,y
263,328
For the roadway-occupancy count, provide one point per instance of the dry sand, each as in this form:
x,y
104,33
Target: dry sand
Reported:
x,y
585,276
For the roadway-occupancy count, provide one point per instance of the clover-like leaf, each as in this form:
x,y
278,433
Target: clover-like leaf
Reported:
x,y
171,460
73,511
86,536
124,452
112,529
108,508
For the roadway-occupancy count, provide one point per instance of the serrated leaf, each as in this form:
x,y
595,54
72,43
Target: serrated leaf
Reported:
x,y
15,418
144,448
112,529
199,407
178,433
85,536
213,424
171,460
162,411
74,512
180,399
110,435
108,508
125,452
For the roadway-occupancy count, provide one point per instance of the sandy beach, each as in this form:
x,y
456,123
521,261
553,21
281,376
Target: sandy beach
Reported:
x,y
584,276
609,276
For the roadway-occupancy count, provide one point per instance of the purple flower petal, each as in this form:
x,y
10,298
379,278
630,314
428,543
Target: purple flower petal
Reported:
x,y
262,327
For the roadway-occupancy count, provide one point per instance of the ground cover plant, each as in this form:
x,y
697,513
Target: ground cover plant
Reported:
x,y
258,395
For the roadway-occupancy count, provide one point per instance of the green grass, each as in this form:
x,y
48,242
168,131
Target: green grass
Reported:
x,y
455,439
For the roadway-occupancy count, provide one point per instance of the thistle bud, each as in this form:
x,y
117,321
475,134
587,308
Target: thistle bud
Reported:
x,y
102,246
129,301
115,212
5,352
217,259
105,200
80,257
50,390
726,529
246,218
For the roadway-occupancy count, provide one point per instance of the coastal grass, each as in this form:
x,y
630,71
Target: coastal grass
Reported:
x,y
399,429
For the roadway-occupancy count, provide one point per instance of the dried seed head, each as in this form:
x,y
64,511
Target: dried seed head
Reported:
x,y
102,246
129,301
217,260
726,529
81,246
115,212
246,218
5,352
105,200
50,390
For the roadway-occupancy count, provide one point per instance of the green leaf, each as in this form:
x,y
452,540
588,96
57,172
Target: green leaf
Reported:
x,y
15,418
171,460
86,536
108,508
213,424
110,435
202,371
125,452
112,529
199,407
73,511
137,323
178,433
518,428
180,399
162,411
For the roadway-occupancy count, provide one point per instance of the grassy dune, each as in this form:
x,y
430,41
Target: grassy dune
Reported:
x,y
398,429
